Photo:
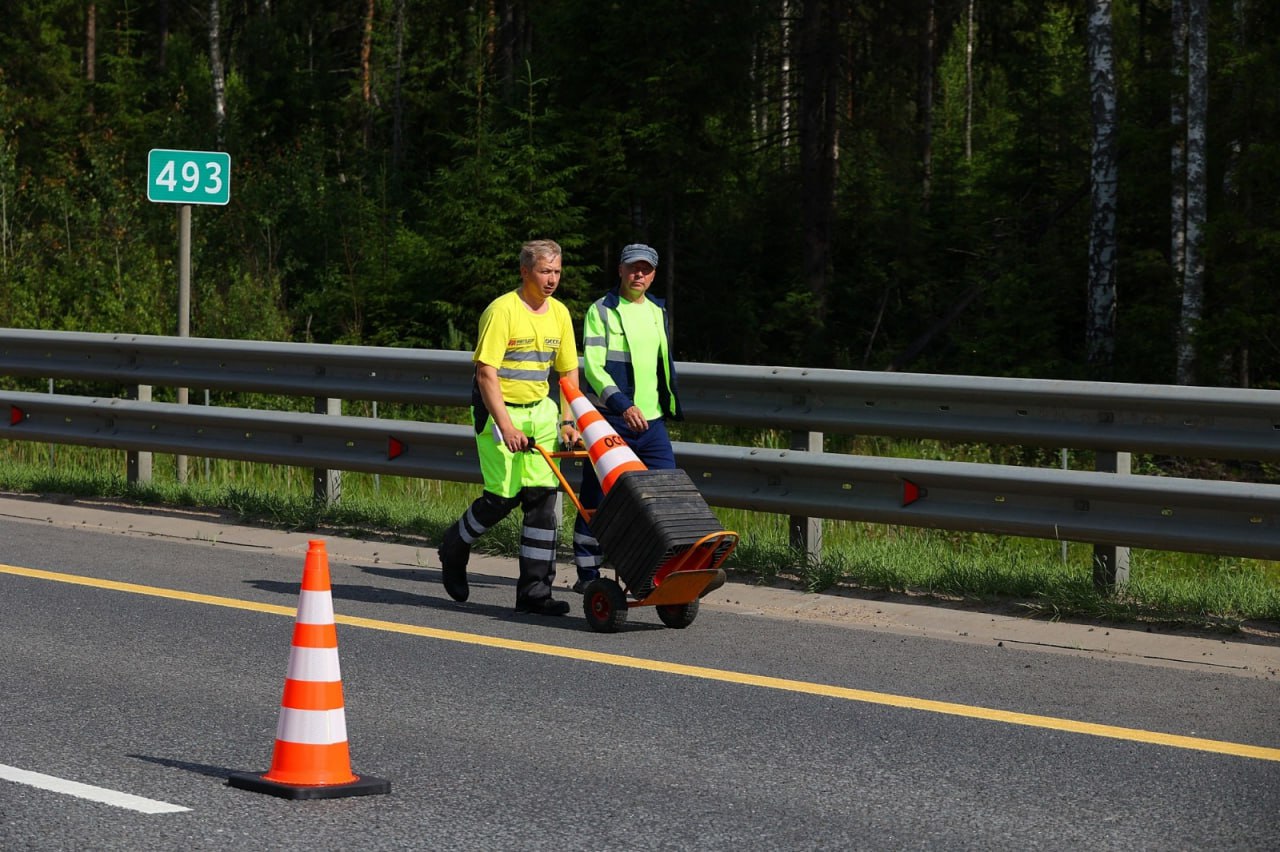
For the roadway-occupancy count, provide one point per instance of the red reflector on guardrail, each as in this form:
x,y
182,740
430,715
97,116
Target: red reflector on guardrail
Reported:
x,y
395,448
16,415
911,492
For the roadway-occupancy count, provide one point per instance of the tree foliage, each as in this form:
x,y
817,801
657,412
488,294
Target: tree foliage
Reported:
x,y
383,179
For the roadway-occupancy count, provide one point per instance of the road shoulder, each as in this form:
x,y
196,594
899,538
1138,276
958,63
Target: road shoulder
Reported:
x,y
1253,653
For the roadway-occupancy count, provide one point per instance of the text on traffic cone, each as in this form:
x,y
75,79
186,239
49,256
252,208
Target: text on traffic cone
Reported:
x,y
610,455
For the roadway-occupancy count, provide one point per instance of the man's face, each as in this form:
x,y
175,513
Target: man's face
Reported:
x,y
635,279
544,277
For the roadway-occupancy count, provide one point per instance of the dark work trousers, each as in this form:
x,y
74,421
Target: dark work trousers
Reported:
x,y
537,535
653,447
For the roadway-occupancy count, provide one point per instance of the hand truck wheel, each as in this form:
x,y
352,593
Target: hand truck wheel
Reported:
x,y
605,605
678,616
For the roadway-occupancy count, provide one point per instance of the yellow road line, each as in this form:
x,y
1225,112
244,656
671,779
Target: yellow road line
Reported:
x,y
968,711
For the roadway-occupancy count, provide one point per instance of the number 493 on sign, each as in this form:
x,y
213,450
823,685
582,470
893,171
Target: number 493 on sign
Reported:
x,y
188,177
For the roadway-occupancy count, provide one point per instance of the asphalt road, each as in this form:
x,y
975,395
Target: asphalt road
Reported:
x,y
776,721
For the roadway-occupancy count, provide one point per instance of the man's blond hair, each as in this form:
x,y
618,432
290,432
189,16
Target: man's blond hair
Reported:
x,y
531,251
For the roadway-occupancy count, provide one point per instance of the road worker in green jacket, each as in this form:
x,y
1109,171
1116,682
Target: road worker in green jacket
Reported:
x,y
631,379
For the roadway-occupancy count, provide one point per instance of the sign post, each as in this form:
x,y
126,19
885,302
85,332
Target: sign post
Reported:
x,y
186,178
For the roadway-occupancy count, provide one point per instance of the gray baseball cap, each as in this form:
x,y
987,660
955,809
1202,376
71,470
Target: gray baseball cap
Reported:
x,y
640,251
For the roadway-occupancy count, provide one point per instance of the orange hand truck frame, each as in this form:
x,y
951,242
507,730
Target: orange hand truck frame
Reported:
x,y
675,587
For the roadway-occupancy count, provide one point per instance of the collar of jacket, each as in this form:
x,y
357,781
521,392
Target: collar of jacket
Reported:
x,y
614,298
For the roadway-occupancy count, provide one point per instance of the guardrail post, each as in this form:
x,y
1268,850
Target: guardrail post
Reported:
x,y
805,532
138,463
327,483
1111,562
53,455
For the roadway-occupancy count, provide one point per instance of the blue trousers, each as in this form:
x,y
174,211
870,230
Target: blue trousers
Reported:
x,y
653,447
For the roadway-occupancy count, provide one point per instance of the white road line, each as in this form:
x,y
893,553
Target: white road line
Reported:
x,y
88,791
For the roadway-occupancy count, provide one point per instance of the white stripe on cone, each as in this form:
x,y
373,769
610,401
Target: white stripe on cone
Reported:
x,y
608,451
315,607
314,664
312,727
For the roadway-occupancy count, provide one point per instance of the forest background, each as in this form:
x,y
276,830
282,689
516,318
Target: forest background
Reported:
x,y
949,186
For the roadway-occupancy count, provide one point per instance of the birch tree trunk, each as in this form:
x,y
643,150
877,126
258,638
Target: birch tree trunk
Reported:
x,y
785,101
1178,157
771,77
91,52
217,72
366,71
970,33
927,63
1100,333
1197,187
397,115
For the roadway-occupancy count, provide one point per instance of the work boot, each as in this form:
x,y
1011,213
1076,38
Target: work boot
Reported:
x,y
453,554
543,606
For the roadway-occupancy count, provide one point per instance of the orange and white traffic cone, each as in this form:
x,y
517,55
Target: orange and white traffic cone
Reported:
x,y
311,758
610,455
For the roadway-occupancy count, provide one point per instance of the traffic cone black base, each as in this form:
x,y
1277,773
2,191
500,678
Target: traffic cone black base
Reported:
x,y
362,786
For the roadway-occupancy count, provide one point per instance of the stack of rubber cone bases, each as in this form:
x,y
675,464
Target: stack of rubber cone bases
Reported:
x,y
610,455
650,519
311,758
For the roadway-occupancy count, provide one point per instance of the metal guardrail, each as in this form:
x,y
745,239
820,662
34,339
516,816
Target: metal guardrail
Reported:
x,y
1199,422
429,377
1157,512
1161,513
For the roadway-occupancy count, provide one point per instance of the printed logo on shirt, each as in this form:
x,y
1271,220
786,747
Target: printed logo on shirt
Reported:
x,y
551,342
519,342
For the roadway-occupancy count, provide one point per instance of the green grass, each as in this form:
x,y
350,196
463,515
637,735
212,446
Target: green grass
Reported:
x,y
1034,577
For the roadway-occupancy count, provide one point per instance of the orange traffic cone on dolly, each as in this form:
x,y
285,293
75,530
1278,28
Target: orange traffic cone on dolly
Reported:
x,y
610,455
651,522
311,758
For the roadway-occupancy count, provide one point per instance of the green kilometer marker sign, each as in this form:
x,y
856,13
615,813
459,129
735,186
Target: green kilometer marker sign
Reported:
x,y
188,177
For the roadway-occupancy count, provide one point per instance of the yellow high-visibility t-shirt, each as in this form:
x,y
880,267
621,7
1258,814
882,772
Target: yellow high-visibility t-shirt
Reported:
x,y
524,346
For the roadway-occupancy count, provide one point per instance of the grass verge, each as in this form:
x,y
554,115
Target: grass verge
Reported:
x,y
1033,577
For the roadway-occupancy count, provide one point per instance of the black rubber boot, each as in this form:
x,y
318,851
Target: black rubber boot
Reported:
x,y
453,555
